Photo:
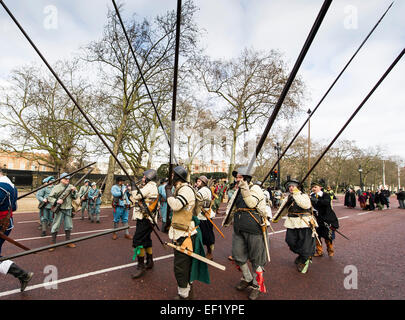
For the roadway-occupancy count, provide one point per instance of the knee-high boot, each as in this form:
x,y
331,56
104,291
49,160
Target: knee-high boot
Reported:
x,y
329,246
67,235
21,275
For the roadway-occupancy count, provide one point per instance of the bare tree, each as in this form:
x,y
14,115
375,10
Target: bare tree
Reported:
x,y
249,87
41,116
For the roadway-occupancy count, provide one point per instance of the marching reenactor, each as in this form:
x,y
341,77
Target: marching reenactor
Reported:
x,y
84,198
300,224
65,213
8,204
120,204
142,241
326,218
44,206
247,210
94,199
184,232
204,197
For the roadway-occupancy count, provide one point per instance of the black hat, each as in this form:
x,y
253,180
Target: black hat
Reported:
x,y
180,172
317,183
290,182
118,179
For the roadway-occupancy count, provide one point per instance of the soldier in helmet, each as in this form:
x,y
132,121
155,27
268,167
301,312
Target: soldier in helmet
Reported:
x,y
300,224
142,241
94,196
184,227
84,198
45,213
247,209
8,204
204,197
65,213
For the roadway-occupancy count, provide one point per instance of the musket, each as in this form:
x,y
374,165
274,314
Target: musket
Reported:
x,y
326,93
30,251
287,86
16,243
153,224
53,182
354,113
140,73
56,207
196,256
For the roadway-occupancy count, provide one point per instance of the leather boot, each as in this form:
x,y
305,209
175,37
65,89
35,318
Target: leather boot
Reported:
x,y
254,294
127,235
43,226
97,218
114,236
21,275
140,268
149,261
329,246
319,250
67,235
53,241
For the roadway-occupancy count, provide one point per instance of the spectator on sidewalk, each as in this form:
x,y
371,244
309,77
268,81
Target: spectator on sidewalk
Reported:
x,y
401,198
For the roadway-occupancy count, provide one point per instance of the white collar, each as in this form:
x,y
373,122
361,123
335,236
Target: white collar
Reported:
x,y
5,179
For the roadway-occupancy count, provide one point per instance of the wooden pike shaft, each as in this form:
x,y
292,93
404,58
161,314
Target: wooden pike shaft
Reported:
x,y
16,243
196,256
30,251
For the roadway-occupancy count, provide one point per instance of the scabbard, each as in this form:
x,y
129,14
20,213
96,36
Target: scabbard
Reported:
x,y
215,226
196,256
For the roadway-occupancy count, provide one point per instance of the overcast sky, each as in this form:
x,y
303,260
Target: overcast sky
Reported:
x,y
59,28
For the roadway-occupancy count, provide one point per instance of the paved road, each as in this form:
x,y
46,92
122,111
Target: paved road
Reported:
x,y
100,268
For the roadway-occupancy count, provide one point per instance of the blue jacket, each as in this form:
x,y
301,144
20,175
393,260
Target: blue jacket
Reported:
x,y
43,194
117,192
4,203
93,193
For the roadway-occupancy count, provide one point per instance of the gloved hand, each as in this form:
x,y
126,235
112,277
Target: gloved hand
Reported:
x,y
168,189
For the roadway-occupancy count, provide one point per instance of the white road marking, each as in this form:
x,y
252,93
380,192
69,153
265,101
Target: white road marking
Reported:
x,y
80,276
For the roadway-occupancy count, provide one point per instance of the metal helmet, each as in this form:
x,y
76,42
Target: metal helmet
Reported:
x,y
181,173
204,179
65,175
291,182
242,171
150,174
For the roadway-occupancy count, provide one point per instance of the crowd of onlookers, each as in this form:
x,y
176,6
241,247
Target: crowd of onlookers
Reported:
x,y
369,200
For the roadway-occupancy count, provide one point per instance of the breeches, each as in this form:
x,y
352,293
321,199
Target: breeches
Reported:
x,y
120,213
64,215
247,246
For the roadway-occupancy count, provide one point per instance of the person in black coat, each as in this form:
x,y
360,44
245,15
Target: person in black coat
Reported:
x,y
326,218
370,201
379,199
350,198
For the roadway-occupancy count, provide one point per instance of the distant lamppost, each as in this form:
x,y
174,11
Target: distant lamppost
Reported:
x,y
361,180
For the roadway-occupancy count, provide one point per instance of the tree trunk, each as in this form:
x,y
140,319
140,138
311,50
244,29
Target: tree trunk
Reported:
x,y
106,197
